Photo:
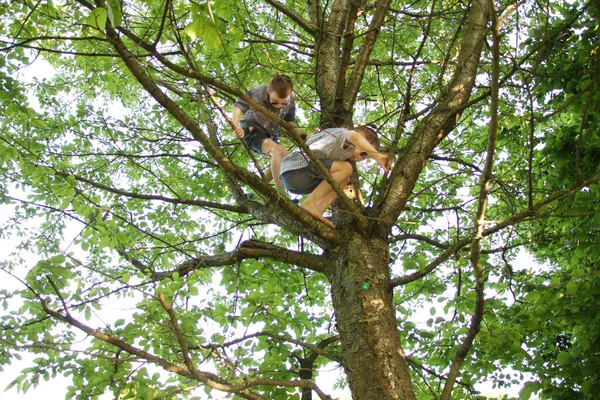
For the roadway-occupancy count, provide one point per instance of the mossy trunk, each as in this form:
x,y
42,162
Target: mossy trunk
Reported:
x,y
362,299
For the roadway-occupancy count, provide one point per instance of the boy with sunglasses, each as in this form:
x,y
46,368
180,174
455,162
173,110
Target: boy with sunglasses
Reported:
x,y
333,147
260,133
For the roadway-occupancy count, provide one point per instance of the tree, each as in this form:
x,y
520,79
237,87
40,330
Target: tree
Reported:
x,y
126,182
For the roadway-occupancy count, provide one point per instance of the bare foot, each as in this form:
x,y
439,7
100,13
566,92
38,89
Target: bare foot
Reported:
x,y
313,211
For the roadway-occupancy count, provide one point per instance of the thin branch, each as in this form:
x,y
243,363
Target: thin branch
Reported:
x,y
173,319
162,22
317,350
439,260
421,238
356,79
230,122
133,195
475,257
400,126
60,296
294,16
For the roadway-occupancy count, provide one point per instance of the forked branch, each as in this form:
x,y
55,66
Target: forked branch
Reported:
x,y
207,378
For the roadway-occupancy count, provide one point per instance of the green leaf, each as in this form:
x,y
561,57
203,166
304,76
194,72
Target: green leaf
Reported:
x,y
563,358
203,28
533,297
97,18
529,389
572,288
578,273
114,12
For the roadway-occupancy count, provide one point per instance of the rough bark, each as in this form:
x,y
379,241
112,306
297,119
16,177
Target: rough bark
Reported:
x,y
362,299
327,57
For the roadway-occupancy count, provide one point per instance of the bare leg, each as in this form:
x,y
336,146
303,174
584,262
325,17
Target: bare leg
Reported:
x,y
277,154
268,174
320,198
324,204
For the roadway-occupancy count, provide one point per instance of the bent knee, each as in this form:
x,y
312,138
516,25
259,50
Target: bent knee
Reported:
x,y
342,166
279,151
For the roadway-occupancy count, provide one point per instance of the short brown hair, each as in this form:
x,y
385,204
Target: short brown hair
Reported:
x,y
282,85
370,134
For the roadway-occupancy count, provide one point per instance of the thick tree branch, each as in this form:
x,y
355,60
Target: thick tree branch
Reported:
x,y
344,61
328,60
438,123
250,249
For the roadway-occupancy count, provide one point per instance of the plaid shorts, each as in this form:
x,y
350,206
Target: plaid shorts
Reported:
x,y
304,180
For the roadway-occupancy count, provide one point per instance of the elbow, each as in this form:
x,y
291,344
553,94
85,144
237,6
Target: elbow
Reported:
x,y
353,137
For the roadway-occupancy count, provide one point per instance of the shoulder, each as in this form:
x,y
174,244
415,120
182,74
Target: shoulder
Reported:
x,y
340,133
352,135
332,134
257,90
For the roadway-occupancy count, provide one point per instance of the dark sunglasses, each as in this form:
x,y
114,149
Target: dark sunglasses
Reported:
x,y
279,103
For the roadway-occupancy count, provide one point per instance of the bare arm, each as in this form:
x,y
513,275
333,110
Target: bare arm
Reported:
x,y
363,144
237,114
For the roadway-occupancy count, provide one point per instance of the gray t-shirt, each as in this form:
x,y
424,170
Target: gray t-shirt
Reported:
x,y
252,118
327,144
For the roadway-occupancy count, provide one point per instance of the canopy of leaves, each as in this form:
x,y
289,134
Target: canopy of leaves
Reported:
x,y
139,268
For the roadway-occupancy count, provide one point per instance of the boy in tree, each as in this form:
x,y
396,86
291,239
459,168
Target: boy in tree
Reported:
x,y
333,147
260,133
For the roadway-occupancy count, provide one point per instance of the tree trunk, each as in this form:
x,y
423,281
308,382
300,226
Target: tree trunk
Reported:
x,y
362,299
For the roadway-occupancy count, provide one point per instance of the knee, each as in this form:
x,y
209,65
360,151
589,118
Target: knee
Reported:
x,y
346,168
342,168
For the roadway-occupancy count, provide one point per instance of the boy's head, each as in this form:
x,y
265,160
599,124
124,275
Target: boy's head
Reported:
x,y
369,134
280,91
281,85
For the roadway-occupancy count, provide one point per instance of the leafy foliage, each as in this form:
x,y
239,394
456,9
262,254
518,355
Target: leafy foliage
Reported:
x,y
140,268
